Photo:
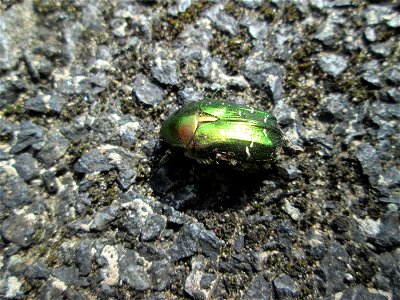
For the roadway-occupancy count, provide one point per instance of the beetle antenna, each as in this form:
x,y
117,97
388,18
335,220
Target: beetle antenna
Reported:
x,y
291,148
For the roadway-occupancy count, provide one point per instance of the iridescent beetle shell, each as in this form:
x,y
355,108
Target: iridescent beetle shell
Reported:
x,y
213,131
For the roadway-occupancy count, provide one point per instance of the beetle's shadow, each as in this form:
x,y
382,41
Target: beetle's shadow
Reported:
x,y
185,184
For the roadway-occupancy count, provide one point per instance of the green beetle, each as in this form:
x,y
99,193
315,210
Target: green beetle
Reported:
x,y
216,131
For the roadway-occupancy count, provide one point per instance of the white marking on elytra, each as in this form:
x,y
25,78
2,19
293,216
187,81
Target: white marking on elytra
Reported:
x,y
240,113
252,143
265,133
265,119
252,109
248,152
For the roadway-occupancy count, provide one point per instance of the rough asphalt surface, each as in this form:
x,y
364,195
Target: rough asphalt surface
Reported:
x,y
91,209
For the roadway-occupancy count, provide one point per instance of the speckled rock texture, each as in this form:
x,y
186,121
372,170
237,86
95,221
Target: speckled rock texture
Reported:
x,y
93,205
